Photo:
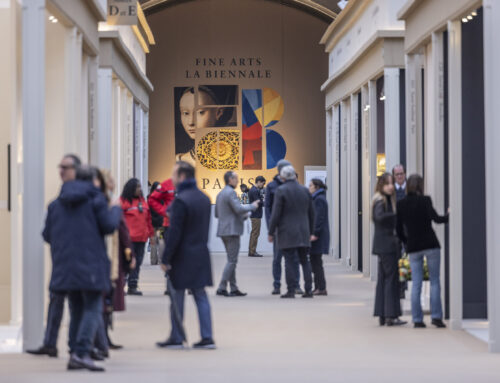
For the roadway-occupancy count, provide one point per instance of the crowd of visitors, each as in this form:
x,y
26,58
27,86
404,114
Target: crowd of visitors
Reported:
x,y
93,273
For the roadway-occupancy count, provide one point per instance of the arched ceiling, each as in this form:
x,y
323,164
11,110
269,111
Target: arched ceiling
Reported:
x,y
326,10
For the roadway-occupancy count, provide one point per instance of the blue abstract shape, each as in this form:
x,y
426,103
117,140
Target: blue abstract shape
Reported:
x,y
252,101
276,148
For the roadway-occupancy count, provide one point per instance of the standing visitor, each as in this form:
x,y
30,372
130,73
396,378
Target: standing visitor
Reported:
x,y
67,171
256,194
293,221
186,258
414,228
399,175
157,222
320,241
231,214
138,219
385,246
277,255
75,227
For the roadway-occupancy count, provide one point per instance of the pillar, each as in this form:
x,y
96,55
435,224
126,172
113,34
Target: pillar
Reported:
x,y
392,122
492,143
372,118
366,160
101,147
455,172
33,100
336,182
413,114
353,182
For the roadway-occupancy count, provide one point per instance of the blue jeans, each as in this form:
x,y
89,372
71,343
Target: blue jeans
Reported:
x,y
86,310
417,275
204,315
293,258
277,258
54,317
133,278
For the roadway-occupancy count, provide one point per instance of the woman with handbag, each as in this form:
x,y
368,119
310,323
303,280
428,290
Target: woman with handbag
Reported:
x,y
414,228
385,246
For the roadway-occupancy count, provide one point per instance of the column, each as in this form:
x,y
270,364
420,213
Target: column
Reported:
x,y
492,143
372,131
145,146
330,155
392,123
413,114
93,106
33,100
353,182
101,147
364,146
344,182
336,182
455,171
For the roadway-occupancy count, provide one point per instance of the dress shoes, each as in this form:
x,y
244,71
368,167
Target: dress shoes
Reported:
x,y
222,293
113,346
83,363
134,291
308,295
320,292
438,323
170,344
381,321
205,344
419,325
288,295
97,355
44,350
299,291
237,293
276,291
255,255
395,322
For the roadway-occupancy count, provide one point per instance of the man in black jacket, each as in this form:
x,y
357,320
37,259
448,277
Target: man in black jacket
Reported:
x,y
256,193
186,257
293,221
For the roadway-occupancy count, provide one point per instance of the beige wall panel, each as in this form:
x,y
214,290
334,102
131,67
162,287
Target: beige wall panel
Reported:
x,y
286,41
431,15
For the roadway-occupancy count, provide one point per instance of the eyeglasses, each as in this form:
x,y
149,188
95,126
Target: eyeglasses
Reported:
x,y
399,174
66,167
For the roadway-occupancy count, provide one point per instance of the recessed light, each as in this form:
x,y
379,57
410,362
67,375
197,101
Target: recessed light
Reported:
x,y
464,20
469,17
474,13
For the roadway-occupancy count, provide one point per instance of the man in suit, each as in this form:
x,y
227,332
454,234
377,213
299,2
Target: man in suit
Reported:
x,y
293,219
231,214
256,194
186,257
399,175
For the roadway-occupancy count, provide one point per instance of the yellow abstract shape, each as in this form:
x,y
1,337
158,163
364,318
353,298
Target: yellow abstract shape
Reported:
x,y
273,108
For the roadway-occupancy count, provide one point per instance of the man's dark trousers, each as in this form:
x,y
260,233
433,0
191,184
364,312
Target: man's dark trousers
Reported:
x,y
86,310
54,318
277,257
293,257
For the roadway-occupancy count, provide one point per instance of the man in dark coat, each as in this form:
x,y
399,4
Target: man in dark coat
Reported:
x,y
67,171
277,255
186,257
256,194
75,227
293,220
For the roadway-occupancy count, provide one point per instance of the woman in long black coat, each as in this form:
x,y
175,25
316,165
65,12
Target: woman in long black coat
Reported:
x,y
321,240
385,246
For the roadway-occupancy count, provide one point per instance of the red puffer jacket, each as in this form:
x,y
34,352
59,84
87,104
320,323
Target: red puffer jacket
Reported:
x,y
161,199
138,219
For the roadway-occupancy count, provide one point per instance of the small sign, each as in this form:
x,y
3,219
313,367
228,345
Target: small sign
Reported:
x,y
122,12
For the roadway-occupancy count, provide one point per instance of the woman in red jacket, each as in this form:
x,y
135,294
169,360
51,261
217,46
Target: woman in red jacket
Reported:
x,y
138,219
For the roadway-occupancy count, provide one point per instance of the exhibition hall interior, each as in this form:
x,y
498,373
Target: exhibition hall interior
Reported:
x,y
250,190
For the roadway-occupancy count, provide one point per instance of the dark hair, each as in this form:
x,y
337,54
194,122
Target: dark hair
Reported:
x,y
76,160
227,176
398,166
244,188
382,181
129,189
186,169
260,179
415,185
153,187
86,173
102,180
318,183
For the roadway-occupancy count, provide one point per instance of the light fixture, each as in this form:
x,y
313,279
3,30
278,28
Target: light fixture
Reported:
x,y
367,107
469,17
51,18
54,20
382,98
465,20
474,13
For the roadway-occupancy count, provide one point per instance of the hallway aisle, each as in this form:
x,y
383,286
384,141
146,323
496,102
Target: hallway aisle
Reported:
x,y
262,338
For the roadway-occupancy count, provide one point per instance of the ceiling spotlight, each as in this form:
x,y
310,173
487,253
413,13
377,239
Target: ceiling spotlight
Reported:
x,y
367,107
382,98
51,17
54,20
474,13
469,17
465,20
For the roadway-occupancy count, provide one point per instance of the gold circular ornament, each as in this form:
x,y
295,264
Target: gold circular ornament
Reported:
x,y
219,149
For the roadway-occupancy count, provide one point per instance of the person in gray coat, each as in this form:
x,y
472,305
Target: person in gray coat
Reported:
x,y
293,218
231,214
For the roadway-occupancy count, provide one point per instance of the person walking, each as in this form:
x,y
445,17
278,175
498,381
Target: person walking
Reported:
x,y
231,214
138,219
75,227
256,194
414,227
385,246
67,171
293,221
186,258
320,241
277,254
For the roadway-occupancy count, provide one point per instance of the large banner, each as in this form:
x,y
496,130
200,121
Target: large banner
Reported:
x,y
235,99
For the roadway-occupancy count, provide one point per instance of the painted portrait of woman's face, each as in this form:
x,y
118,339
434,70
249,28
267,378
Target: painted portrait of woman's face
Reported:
x,y
195,117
